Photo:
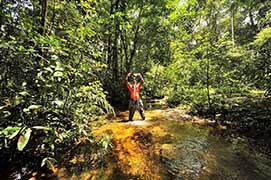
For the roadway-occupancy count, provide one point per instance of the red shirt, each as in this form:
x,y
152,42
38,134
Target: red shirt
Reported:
x,y
134,89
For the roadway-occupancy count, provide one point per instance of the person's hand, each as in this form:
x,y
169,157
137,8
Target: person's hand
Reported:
x,y
136,74
128,75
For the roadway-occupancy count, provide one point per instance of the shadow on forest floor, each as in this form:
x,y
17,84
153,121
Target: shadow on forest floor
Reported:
x,y
170,144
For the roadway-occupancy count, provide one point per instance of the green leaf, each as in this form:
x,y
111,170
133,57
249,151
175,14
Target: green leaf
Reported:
x,y
23,139
52,146
58,74
24,93
9,130
48,161
58,102
59,67
15,133
41,128
54,57
5,114
263,36
18,100
48,69
34,107
26,110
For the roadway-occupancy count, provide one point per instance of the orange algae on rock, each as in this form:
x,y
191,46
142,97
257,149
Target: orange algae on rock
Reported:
x,y
134,147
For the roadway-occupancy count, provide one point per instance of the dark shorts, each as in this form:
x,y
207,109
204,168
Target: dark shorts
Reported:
x,y
136,105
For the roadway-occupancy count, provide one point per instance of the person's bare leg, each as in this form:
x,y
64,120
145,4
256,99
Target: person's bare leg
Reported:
x,y
141,109
131,110
142,114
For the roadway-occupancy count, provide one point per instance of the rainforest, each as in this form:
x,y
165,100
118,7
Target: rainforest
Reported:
x,y
204,68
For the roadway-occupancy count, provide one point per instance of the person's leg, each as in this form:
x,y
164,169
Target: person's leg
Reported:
x,y
131,110
141,109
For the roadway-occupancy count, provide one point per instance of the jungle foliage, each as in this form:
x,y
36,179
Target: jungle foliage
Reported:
x,y
61,61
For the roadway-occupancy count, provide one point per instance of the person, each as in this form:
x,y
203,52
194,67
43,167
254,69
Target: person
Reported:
x,y
135,103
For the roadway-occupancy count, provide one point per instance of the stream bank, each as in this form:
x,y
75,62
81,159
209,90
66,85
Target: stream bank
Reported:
x,y
171,145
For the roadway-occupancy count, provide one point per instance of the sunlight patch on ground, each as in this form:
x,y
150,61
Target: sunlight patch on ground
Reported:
x,y
135,143
138,146
131,150
151,115
138,123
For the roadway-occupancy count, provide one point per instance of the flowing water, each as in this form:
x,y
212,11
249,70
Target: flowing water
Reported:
x,y
168,146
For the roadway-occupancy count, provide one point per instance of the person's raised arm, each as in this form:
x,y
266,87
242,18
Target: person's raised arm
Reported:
x,y
127,77
140,77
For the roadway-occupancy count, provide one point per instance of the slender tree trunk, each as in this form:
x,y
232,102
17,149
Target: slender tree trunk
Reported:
x,y
125,47
252,23
44,9
115,49
121,65
39,60
208,82
124,42
115,56
109,51
53,16
135,41
109,41
133,50
232,28
251,19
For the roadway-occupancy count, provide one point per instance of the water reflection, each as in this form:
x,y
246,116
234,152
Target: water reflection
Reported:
x,y
138,123
162,148
202,154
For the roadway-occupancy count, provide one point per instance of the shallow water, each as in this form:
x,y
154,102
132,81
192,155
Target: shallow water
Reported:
x,y
201,153
168,146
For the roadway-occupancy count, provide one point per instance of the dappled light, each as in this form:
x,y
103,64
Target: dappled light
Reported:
x,y
133,147
135,90
168,146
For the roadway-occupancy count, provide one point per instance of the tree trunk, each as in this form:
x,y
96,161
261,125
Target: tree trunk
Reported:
x,y
115,56
124,42
109,41
232,28
208,82
135,41
125,48
44,9
115,48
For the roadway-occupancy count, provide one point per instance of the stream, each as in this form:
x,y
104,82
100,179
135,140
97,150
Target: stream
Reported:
x,y
171,145
168,145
